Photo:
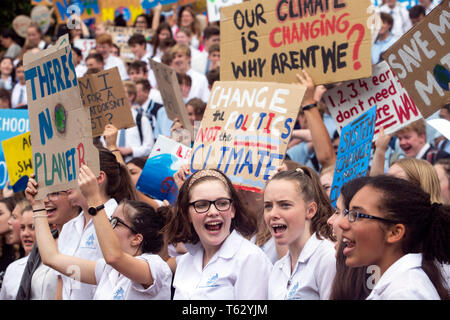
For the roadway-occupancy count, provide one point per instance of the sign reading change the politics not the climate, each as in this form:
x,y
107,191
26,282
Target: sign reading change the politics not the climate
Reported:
x,y
61,134
245,130
273,40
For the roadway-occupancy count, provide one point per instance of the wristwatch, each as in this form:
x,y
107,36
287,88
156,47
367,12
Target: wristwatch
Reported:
x,y
93,210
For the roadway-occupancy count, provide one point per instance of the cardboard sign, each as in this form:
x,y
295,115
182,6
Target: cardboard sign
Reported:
x,y
245,130
12,123
273,40
395,108
88,11
421,60
104,96
171,94
60,126
19,160
156,179
120,36
129,9
215,5
20,25
42,15
353,152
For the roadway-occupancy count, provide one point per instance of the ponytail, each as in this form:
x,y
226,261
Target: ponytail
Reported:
x,y
118,181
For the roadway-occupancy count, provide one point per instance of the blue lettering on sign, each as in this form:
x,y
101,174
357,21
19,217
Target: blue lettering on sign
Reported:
x,y
49,73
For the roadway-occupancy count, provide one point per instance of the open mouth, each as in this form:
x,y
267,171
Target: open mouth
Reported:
x,y
279,228
213,226
348,246
50,211
28,243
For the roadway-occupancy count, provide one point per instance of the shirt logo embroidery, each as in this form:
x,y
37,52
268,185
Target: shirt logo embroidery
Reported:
x,y
90,242
119,294
291,293
211,281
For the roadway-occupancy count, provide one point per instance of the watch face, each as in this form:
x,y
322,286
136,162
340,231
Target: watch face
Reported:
x,y
92,211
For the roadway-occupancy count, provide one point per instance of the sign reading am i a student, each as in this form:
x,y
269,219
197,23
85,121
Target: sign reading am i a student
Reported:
x,y
421,60
245,130
273,40
61,134
104,96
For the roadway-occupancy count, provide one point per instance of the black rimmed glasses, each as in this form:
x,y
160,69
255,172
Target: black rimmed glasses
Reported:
x,y
354,215
202,206
115,221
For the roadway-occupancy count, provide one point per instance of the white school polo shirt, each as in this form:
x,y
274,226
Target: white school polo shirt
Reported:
x,y
313,274
82,243
111,285
238,271
405,280
12,278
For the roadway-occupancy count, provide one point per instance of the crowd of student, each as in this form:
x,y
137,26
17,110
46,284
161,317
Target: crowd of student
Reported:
x,y
387,237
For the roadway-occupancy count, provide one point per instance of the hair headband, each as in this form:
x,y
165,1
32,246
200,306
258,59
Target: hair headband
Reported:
x,y
206,173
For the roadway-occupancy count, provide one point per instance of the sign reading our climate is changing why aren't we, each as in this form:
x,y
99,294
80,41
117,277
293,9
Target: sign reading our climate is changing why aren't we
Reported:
x,y
61,134
273,40
245,130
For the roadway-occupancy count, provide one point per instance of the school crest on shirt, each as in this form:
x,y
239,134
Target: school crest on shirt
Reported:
x,y
119,294
90,242
211,282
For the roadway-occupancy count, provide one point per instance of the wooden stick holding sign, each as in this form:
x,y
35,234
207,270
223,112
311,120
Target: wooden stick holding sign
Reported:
x,y
60,126
104,95
171,94
245,130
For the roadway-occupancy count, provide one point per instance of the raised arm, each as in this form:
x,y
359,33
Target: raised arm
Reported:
x,y
131,267
76,268
110,136
381,146
319,134
156,16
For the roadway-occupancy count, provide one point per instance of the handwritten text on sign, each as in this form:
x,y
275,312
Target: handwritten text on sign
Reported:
x,y
421,60
18,157
395,108
103,94
272,40
60,127
245,130
354,152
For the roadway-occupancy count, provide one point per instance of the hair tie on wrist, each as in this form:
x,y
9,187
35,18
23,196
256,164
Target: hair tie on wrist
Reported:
x,y
38,210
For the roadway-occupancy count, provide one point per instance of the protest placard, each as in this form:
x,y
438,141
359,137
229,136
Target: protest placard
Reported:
x,y
395,108
421,60
272,40
104,96
88,11
12,123
215,5
353,155
61,134
42,2
156,179
129,9
19,162
171,94
245,130
120,36
85,45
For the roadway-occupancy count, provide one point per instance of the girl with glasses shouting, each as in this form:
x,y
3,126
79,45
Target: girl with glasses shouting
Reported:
x,y
296,209
211,220
131,268
393,225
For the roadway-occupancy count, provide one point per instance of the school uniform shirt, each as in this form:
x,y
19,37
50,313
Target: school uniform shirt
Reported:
x,y
312,276
238,271
199,86
111,285
19,95
43,283
405,280
79,241
11,280
113,61
268,248
400,14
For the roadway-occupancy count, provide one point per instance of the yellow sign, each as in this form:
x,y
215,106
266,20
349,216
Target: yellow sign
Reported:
x,y
18,157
